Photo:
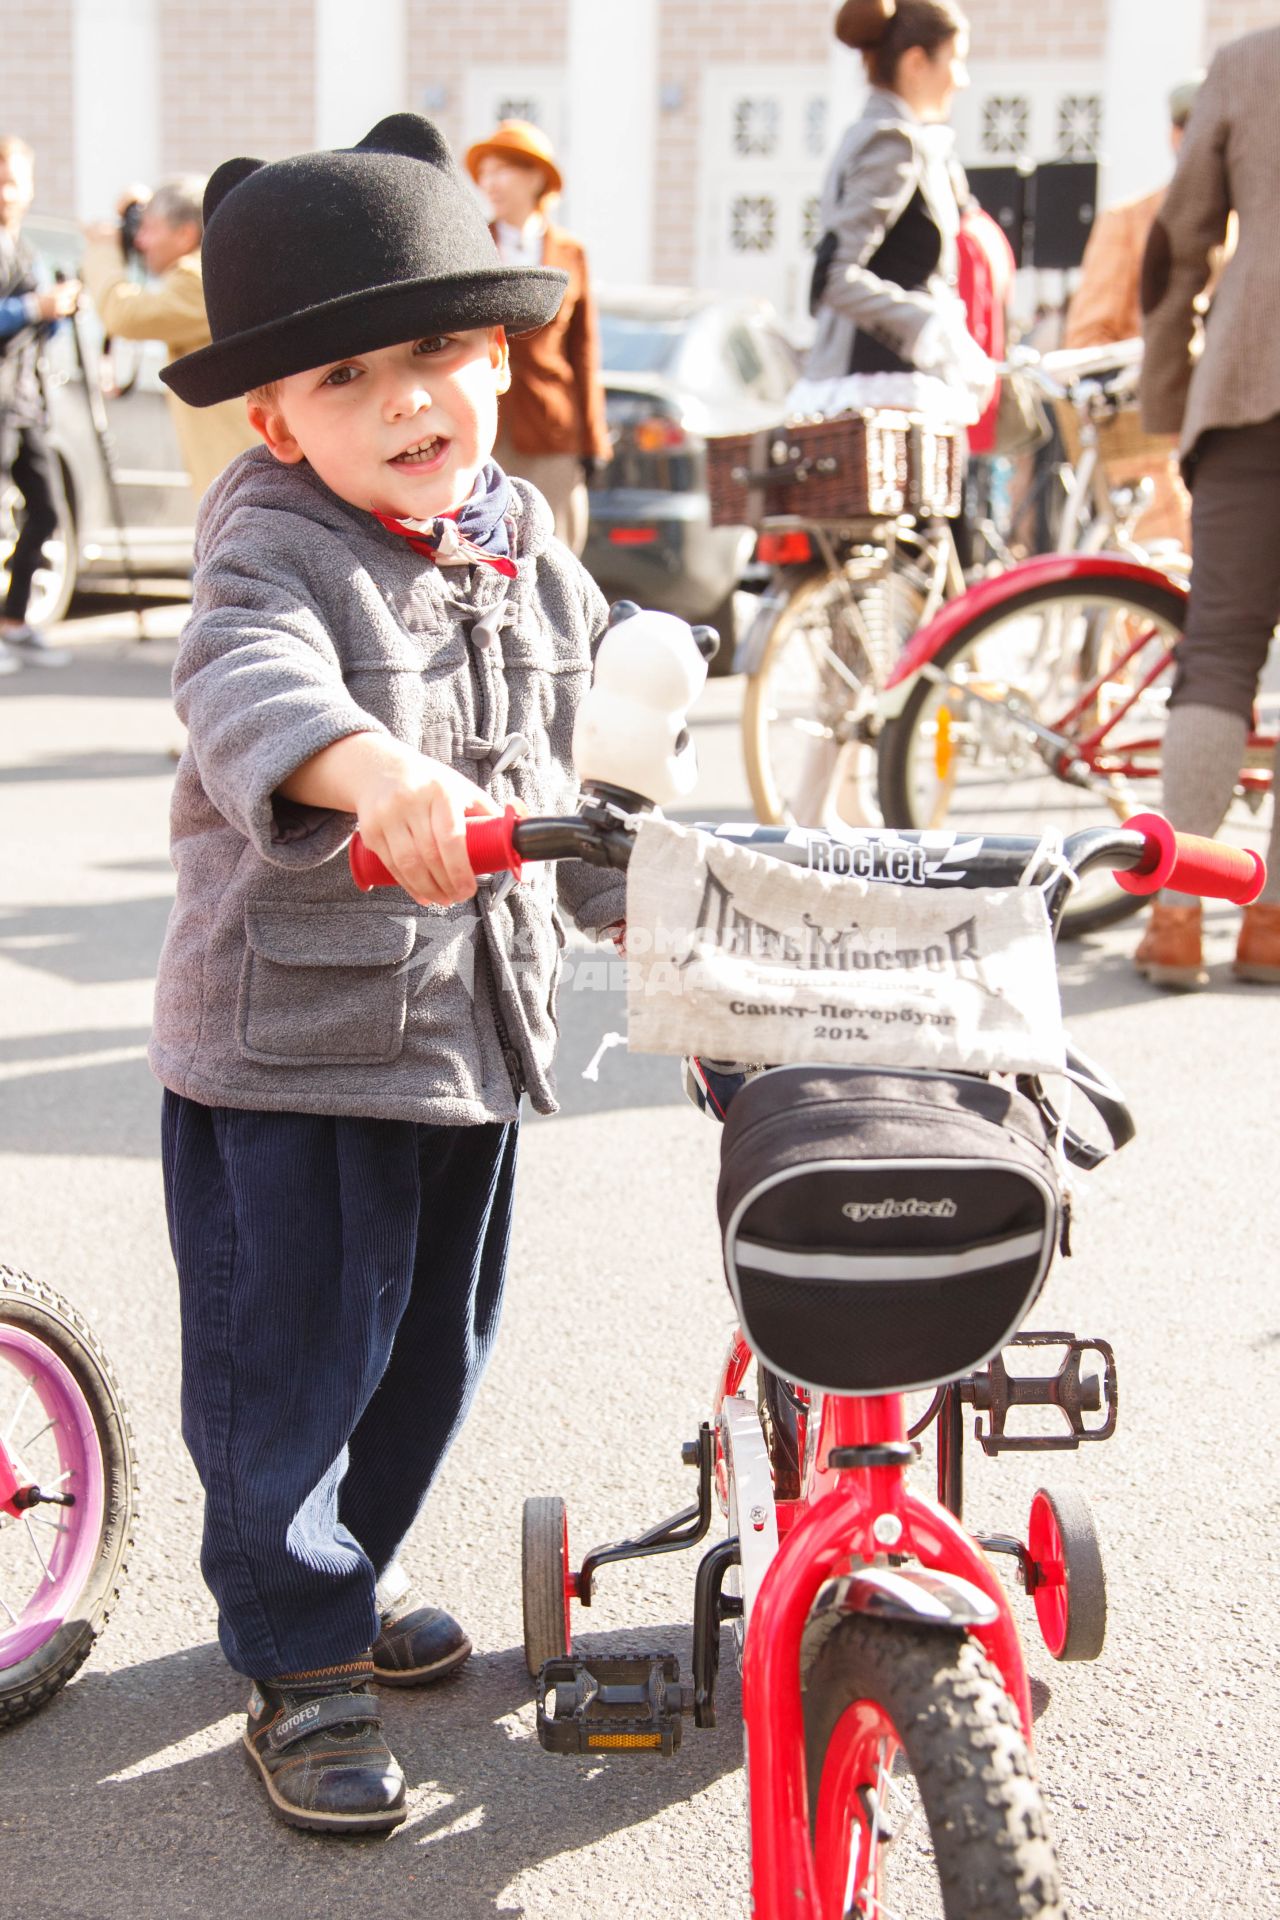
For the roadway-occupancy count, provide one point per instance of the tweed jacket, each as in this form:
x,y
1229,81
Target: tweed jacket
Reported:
x,y
281,987
886,158
1105,306
555,403
1229,161
172,311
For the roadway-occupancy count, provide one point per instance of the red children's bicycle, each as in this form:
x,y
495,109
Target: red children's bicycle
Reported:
x,y
884,1231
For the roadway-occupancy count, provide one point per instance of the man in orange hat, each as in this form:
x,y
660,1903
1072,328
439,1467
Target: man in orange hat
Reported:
x,y
551,427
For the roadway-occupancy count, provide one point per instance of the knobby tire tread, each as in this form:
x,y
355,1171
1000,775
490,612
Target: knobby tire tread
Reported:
x,y
541,1581
964,1742
38,1308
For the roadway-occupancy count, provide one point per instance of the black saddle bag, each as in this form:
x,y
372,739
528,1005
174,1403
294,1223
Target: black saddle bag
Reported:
x,y
883,1230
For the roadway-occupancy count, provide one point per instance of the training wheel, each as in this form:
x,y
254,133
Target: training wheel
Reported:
x,y
1070,1591
546,1582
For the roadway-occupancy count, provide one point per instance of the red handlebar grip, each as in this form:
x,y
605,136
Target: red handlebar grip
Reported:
x,y
1190,864
366,869
491,846
490,849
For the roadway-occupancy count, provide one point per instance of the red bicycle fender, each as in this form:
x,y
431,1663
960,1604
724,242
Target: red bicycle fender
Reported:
x,y
1045,570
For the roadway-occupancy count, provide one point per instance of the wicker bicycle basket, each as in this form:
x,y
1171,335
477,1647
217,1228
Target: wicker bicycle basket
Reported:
x,y
1121,439
935,483
852,466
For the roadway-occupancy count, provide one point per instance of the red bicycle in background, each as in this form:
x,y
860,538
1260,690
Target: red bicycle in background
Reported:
x,y
885,1231
1041,695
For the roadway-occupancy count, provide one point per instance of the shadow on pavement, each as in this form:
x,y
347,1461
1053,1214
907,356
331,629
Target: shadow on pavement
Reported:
x,y
161,1829
139,670
89,944
104,763
71,1103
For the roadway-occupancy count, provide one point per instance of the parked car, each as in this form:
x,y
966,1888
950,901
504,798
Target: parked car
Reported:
x,y
152,496
679,366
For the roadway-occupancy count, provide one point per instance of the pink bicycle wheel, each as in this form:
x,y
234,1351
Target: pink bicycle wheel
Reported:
x,y
63,1430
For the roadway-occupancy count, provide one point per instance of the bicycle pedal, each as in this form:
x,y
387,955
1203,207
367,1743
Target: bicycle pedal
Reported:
x,y
1076,1388
624,1703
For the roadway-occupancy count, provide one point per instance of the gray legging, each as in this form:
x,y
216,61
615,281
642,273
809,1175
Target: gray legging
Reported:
x,y
1235,603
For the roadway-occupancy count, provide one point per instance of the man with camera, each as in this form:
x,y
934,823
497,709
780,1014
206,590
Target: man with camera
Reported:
x,y
165,229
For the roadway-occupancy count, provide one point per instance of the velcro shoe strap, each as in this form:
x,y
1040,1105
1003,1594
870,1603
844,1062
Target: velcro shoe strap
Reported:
x,y
318,1716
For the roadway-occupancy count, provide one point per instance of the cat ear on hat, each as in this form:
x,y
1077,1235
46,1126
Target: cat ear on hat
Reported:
x,y
411,134
223,179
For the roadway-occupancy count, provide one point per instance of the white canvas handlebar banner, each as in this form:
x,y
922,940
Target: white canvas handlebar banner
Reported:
x,y
736,956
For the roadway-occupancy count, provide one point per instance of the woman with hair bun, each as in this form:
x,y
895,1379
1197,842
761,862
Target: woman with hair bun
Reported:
x,y
891,327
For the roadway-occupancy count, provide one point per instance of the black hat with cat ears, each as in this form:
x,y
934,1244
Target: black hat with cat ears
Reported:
x,y
324,255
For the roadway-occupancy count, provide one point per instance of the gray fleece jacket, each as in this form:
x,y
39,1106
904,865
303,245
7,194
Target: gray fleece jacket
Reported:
x,y
281,987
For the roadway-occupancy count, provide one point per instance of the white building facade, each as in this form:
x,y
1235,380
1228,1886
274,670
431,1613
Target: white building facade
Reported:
x,y
693,134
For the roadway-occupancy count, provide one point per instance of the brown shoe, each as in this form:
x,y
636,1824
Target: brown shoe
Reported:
x,y
1169,951
1258,950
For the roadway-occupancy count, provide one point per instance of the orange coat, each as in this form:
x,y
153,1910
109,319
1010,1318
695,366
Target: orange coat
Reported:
x,y
1105,306
556,401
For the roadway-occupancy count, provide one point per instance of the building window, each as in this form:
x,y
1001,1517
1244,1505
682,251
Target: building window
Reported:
x,y
755,126
1006,120
751,223
516,109
1079,126
815,126
809,221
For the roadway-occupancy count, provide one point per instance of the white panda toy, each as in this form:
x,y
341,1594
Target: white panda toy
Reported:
x,y
631,733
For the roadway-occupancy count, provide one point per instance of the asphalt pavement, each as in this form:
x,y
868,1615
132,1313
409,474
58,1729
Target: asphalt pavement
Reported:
x,y
128,1797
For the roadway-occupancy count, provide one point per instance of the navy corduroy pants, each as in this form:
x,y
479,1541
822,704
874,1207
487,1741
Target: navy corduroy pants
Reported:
x,y
340,1284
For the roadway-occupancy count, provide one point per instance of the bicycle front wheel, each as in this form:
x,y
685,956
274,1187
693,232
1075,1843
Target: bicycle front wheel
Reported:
x,y
1072,677
922,1797
808,701
65,1431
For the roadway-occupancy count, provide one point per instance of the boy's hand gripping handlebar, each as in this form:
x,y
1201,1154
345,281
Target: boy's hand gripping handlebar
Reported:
x,y
490,849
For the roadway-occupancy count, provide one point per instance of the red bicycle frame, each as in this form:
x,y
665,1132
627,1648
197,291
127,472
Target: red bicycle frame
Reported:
x,y
828,1532
1051,569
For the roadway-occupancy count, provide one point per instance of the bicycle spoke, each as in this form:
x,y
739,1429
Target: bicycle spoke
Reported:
x,y
46,1428
13,1418
35,1547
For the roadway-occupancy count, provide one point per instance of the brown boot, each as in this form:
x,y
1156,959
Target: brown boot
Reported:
x,y
1169,951
1258,950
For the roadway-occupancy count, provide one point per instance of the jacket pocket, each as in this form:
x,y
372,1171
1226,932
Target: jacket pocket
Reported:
x,y
322,986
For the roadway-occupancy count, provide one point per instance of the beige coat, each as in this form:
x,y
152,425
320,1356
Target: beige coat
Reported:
x,y
173,311
1230,161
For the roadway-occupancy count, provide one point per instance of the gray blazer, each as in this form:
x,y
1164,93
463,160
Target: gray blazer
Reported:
x,y
280,986
884,158
1229,162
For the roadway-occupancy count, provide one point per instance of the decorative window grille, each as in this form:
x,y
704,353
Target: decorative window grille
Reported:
x,y
752,219
1079,126
809,235
1006,123
516,109
815,126
755,126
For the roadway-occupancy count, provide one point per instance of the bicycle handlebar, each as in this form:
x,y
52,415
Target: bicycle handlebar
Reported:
x,y
1145,854
1189,864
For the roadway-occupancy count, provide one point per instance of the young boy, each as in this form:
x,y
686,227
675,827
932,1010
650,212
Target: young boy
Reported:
x,y
384,633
